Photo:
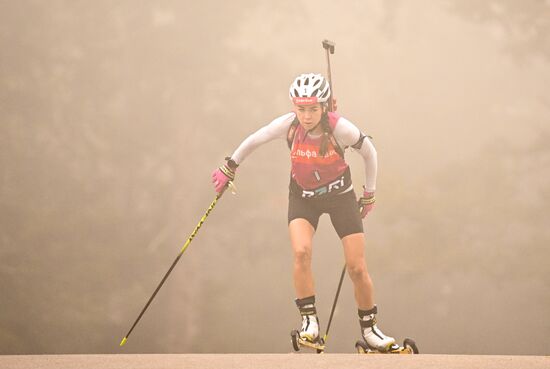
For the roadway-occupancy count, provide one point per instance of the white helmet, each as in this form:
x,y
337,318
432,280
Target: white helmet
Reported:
x,y
309,89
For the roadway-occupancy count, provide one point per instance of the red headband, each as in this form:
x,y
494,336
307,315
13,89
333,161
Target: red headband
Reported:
x,y
304,100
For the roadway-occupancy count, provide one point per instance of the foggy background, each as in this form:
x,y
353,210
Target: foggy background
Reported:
x,y
113,114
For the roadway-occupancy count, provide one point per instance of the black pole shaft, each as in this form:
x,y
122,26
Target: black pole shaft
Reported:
x,y
123,342
329,47
154,294
335,300
330,104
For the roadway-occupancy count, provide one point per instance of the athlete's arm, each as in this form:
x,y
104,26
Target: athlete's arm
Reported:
x,y
278,128
347,134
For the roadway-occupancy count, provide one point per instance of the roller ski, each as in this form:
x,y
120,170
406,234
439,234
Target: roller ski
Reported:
x,y
376,342
298,342
409,347
308,335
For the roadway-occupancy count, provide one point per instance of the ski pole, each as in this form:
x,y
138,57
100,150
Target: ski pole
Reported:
x,y
193,234
329,48
334,303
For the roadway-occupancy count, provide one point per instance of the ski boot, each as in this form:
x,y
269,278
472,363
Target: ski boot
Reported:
x,y
376,342
308,335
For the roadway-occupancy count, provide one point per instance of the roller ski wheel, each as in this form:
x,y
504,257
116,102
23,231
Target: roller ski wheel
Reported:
x,y
409,347
409,343
298,342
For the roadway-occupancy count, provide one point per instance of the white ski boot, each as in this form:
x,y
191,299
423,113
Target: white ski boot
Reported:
x,y
310,321
374,338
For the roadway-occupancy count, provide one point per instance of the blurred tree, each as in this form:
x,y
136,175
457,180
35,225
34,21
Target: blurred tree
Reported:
x,y
524,26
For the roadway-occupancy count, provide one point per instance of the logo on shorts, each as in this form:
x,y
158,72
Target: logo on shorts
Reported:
x,y
333,186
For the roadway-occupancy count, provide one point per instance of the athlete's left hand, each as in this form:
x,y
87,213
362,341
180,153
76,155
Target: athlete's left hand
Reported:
x,y
366,203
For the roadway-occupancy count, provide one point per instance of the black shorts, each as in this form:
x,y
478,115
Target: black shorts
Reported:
x,y
342,209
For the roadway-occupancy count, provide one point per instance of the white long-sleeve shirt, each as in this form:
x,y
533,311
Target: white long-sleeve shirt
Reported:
x,y
345,133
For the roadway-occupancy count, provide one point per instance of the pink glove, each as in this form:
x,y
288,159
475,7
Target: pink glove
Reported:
x,y
366,203
224,174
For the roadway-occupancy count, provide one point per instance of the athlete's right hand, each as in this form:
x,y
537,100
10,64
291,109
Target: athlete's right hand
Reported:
x,y
224,174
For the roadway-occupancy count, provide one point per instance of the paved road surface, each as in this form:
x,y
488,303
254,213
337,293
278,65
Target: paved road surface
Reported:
x,y
272,361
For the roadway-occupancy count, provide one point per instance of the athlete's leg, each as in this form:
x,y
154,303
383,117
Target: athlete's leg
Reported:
x,y
348,224
301,237
354,253
354,246
346,219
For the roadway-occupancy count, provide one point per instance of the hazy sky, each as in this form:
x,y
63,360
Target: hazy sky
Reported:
x,y
113,116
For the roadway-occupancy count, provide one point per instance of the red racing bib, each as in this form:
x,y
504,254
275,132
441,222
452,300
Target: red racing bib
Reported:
x,y
311,170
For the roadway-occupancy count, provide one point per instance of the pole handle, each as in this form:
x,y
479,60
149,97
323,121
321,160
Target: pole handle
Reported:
x,y
329,48
329,45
